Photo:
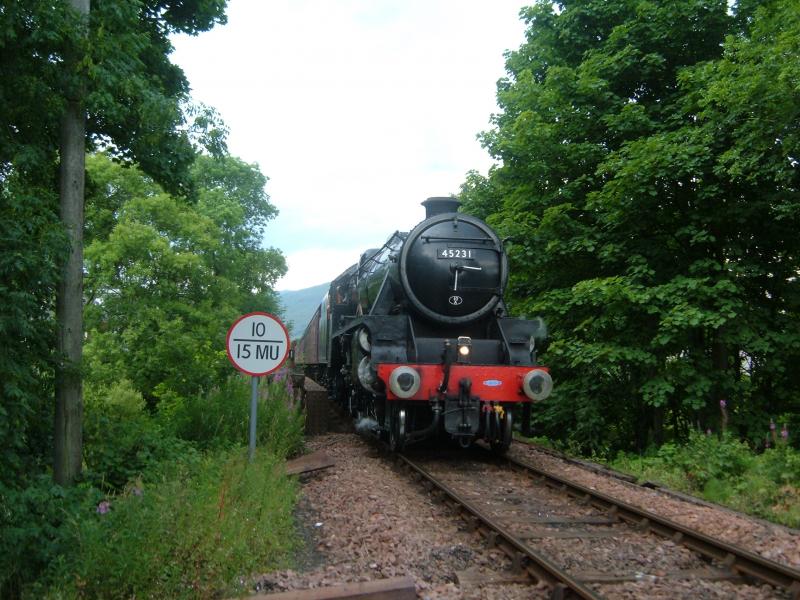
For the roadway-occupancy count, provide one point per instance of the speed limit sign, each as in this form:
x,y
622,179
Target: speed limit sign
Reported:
x,y
257,343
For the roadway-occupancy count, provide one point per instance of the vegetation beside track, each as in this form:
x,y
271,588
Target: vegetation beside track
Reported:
x,y
726,471
719,469
647,184
164,423
158,515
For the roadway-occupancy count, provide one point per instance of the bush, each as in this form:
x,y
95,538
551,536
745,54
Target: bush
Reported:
x,y
772,488
121,443
198,533
220,418
726,471
181,523
121,440
33,528
708,457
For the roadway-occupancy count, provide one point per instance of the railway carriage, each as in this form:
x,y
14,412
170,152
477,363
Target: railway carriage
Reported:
x,y
415,337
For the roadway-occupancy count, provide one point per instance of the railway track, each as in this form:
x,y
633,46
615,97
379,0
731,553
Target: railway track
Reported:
x,y
585,544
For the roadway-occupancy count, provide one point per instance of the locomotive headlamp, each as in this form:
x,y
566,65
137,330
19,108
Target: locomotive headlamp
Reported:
x,y
404,382
537,384
464,348
367,375
363,340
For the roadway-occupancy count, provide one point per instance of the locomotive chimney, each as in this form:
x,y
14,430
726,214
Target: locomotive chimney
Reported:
x,y
440,205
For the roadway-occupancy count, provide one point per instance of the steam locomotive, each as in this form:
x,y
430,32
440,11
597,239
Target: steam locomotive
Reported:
x,y
414,339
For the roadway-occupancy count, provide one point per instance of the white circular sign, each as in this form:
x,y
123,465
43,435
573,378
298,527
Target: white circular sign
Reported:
x,y
257,343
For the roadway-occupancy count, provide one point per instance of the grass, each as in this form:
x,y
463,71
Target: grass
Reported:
x,y
726,471
719,469
168,507
221,417
199,533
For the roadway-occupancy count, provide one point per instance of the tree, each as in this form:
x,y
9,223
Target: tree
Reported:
x,y
32,244
165,278
745,108
136,104
627,231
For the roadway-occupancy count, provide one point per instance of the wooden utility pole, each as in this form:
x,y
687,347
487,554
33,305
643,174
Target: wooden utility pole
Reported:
x,y
68,438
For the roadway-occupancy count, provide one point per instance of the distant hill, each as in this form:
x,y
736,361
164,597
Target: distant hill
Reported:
x,y
299,307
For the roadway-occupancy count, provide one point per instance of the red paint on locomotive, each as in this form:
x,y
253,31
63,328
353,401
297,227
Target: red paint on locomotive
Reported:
x,y
508,386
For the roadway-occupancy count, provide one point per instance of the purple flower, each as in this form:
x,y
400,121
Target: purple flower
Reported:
x,y
785,432
771,425
103,507
708,431
722,404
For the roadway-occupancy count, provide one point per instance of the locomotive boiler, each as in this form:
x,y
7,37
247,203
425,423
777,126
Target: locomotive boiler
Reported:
x,y
415,337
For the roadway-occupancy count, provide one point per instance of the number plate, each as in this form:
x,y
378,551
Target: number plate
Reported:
x,y
462,253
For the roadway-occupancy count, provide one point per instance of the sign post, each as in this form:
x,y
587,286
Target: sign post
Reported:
x,y
257,344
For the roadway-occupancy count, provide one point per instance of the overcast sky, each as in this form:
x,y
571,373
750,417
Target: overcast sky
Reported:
x,y
356,110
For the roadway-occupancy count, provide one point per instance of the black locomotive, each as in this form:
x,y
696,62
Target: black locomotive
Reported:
x,y
415,338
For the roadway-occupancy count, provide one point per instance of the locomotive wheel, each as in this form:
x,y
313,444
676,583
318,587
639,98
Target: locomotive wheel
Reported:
x,y
397,429
503,442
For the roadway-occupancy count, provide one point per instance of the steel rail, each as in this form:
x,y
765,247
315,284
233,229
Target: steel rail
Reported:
x,y
732,557
540,568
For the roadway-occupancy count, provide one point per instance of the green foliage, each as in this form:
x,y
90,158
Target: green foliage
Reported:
x,y
198,533
137,98
724,470
647,182
32,242
221,417
205,520
33,528
166,278
138,109
122,442
31,245
707,458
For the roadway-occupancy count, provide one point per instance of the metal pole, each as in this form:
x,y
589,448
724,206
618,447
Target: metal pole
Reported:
x,y
253,413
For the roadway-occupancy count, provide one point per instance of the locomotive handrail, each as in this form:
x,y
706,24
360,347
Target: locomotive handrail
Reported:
x,y
372,258
428,238
478,288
